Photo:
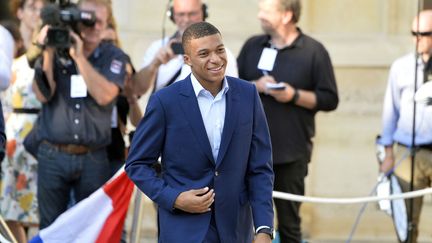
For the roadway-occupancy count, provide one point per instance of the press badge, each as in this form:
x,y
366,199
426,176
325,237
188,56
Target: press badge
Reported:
x,y
267,59
78,87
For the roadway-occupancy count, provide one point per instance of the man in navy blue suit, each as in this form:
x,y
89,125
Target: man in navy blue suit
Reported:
x,y
212,135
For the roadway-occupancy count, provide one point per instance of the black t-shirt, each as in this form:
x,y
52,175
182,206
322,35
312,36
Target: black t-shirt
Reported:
x,y
305,65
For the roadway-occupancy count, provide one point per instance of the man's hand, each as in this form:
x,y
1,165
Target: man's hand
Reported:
x,y
284,95
262,238
128,89
195,201
76,50
40,38
261,83
164,55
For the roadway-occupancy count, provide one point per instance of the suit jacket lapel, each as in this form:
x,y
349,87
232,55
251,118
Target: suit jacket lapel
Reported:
x,y
192,113
231,115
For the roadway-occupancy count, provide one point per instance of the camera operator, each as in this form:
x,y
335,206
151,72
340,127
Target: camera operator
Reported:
x,y
163,61
78,94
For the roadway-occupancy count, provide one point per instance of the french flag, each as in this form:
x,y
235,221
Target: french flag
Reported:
x,y
98,218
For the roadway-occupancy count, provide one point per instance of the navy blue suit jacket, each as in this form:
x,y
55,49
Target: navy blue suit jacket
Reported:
x,y
242,176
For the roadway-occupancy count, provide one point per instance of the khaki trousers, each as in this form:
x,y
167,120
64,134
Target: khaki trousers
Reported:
x,y
422,179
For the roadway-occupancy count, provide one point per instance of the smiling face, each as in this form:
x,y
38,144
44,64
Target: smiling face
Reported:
x,y
207,58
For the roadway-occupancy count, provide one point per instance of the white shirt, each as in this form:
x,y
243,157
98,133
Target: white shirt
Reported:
x,y
398,105
168,70
6,57
212,112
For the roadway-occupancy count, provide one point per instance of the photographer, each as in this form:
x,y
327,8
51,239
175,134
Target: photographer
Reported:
x,y
163,61
78,94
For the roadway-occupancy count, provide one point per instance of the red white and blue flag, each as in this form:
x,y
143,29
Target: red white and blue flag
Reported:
x,y
98,218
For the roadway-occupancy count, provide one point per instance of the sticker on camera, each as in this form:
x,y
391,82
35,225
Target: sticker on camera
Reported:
x,y
116,66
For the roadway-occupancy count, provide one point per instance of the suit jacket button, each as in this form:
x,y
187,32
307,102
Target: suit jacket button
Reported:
x,y
216,173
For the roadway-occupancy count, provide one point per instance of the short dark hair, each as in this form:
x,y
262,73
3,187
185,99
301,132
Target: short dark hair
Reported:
x,y
196,31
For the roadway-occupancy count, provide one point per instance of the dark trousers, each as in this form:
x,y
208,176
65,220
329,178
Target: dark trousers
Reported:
x,y
59,173
289,178
212,233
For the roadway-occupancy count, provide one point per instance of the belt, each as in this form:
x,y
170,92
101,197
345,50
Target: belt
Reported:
x,y
70,148
422,146
425,146
26,110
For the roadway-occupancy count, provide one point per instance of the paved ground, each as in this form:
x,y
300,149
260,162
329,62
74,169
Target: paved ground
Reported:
x,y
153,240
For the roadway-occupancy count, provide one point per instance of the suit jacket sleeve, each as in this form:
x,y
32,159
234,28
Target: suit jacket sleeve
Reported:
x,y
260,174
146,147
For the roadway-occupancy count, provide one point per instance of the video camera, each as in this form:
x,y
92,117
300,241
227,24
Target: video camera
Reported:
x,y
64,16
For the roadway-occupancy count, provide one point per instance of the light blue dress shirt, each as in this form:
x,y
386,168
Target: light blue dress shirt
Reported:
x,y
212,112
398,106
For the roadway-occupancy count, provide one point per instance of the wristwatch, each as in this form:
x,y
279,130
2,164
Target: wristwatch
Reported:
x,y
295,96
269,231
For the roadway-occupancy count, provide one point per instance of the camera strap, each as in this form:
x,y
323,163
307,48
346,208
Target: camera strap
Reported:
x,y
172,80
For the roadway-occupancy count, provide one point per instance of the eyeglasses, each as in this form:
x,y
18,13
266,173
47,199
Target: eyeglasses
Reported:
x,y
188,14
423,34
32,8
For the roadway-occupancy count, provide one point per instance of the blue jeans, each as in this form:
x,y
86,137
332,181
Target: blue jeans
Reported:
x,y
59,173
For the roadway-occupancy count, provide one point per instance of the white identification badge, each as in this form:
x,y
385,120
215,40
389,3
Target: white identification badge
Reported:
x,y
78,87
267,59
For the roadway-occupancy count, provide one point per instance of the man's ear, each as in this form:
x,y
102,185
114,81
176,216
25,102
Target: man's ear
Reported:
x,y
287,17
187,59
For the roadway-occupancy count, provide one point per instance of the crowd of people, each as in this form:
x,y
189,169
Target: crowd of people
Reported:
x,y
218,135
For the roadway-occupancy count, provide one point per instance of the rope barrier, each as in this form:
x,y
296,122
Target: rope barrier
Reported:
x,y
297,198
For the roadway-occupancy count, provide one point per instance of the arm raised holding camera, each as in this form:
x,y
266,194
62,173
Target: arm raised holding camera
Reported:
x,y
101,89
147,75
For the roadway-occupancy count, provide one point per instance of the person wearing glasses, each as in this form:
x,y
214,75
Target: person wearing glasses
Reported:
x,y
78,94
163,61
397,117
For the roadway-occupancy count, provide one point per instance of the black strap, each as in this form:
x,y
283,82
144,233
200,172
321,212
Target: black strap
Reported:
x,y
41,79
172,80
26,110
427,71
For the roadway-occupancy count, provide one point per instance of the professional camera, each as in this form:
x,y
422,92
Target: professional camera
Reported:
x,y
63,17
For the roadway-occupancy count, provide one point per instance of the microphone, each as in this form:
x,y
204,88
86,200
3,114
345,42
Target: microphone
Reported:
x,y
50,15
164,21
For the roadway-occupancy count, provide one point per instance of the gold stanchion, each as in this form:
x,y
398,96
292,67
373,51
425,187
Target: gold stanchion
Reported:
x,y
6,235
137,217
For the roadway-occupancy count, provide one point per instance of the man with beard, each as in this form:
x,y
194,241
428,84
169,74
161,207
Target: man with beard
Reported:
x,y
295,78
